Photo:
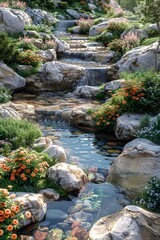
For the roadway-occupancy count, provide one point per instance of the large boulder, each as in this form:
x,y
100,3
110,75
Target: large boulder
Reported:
x,y
47,55
131,223
34,203
127,126
12,20
60,76
40,16
56,152
114,85
70,177
99,28
133,168
138,58
10,78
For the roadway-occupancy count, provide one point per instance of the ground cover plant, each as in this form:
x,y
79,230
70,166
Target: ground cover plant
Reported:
x,y
5,95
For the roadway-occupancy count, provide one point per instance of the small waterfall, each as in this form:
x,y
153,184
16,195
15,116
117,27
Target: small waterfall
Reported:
x,y
62,26
78,55
96,76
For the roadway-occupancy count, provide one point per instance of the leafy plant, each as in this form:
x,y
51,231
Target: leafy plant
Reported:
x,y
151,131
25,167
18,132
10,214
150,197
5,95
117,27
8,49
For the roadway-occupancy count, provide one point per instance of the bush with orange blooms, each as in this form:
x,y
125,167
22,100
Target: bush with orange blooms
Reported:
x,y
140,94
28,57
25,168
10,214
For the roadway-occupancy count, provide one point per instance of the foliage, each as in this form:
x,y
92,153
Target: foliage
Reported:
x,y
131,40
29,58
105,37
149,10
85,25
117,28
150,197
8,50
10,214
5,95
27,44
140,94
39,28
18,132
117,45
128,4
45,4
25,167
149,41
152,131
5,147
145,121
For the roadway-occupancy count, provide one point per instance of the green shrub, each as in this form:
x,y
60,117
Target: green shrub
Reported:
x,y
145,121
8,49
45,4
117,28
27,45
18,132
151,131
5,95
105,37
150,197
117,45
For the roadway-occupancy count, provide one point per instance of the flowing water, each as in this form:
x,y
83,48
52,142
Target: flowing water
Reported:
x,y
95,200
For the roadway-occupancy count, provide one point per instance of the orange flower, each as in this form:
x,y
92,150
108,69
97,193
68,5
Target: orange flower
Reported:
x,y
23,166
28,214
12,215
13,208
28,170
36,170
12,178
24,178
15,222
1,232
1,219
33,174
22,175
14,236
10,227
6,215
124,102
7,211
98,123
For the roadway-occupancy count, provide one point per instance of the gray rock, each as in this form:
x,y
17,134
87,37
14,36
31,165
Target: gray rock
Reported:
x,y
132,223
70,177
99,28
142,57
34,203
56,152
134,167
31,33
12,20
42,142
86,91
40,16
8,112
50,194
10,78
56,214
127,126
114,85
47,55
